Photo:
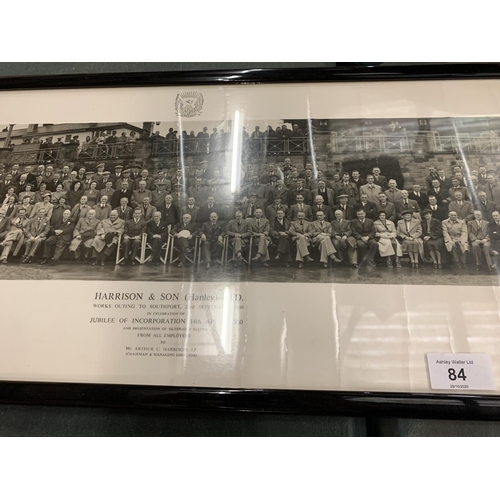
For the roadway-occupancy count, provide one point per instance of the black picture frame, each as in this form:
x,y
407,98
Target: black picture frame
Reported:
x,y
362,403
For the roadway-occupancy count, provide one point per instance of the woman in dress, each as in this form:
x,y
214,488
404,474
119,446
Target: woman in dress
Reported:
x,y
432,234
386,234
75,193
409,232
92,194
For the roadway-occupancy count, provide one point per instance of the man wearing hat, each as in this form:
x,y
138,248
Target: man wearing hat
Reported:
x,y
45,204
117,174
348,210
125,177
98,175
279,190
135,172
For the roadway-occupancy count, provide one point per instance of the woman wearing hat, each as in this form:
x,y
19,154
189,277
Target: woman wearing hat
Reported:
x,y
386,234
432,234
409,232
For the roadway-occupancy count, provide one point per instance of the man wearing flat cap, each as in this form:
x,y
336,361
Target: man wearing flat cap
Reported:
x,y
348,210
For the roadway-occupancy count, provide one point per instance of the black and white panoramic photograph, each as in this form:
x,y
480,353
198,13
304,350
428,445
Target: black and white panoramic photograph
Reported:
x,y
375,201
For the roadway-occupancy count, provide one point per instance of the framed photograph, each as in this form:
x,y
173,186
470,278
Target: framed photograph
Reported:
x,y
281,240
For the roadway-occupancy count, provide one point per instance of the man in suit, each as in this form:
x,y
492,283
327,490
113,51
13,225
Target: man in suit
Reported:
x,y
35,234
482,176
157,231
438,211
132,236
439,192
149,182
16,174
169,211
455,186
18,227
207,208
185,244
239,234
492,189
278,191
281,236
319,206
5,224
299,190
21,185
300,206
444,182
299,230
405,204
348,188
371,189
320,233
348,210
212,240
103,208
368,207
363,231
124,211
249,207
419,197
59,237
198,191
463,208
106,238
272,210
487,207
393,193
478,230
327,193
494,231
256,188
357,180
123,192
258,228
30,176
310,182
139,195
455,238
46,197
378,179
433,175
342,238
147,209
388,207
5,185
191,209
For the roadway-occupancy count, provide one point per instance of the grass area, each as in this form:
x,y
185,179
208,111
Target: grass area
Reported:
x,y
16,272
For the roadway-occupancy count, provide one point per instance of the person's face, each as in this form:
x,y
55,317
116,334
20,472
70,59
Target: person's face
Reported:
x,y
65,169
364,197
214,218
432,170
407,217
496,216
441,172
168,199
252,199
458,196
144,173
142,185
190,200
301,216
41,212
8,177
320,216
124,186
91,214
369,179
360,214
28,188
258,213
280,214
211,200
49,169
104,199
186,218
137,213
73,175
428,216
382,198
22,212
482,197
62,201
109,184
482,170
319,200
435,184
355,175
59,188
300,183
382,217
490,178
453,216
376,171
12,200
93,185
77,186
146,200
454,182
255,179
478,215
321,185
404,194
338,214
81,171
336,176
416,188
83,200
345,177
432,200
300,199
392,184
27,170
66,214
239,216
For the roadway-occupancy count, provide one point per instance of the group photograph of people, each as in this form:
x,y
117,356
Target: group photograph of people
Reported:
x,y
269,218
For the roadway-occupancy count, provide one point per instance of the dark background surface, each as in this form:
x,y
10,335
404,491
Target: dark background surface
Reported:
x,y
26,420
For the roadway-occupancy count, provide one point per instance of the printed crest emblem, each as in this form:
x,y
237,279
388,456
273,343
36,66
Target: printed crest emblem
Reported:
x,y
189,104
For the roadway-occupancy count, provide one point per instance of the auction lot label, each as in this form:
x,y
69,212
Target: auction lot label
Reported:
x,y
461,371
